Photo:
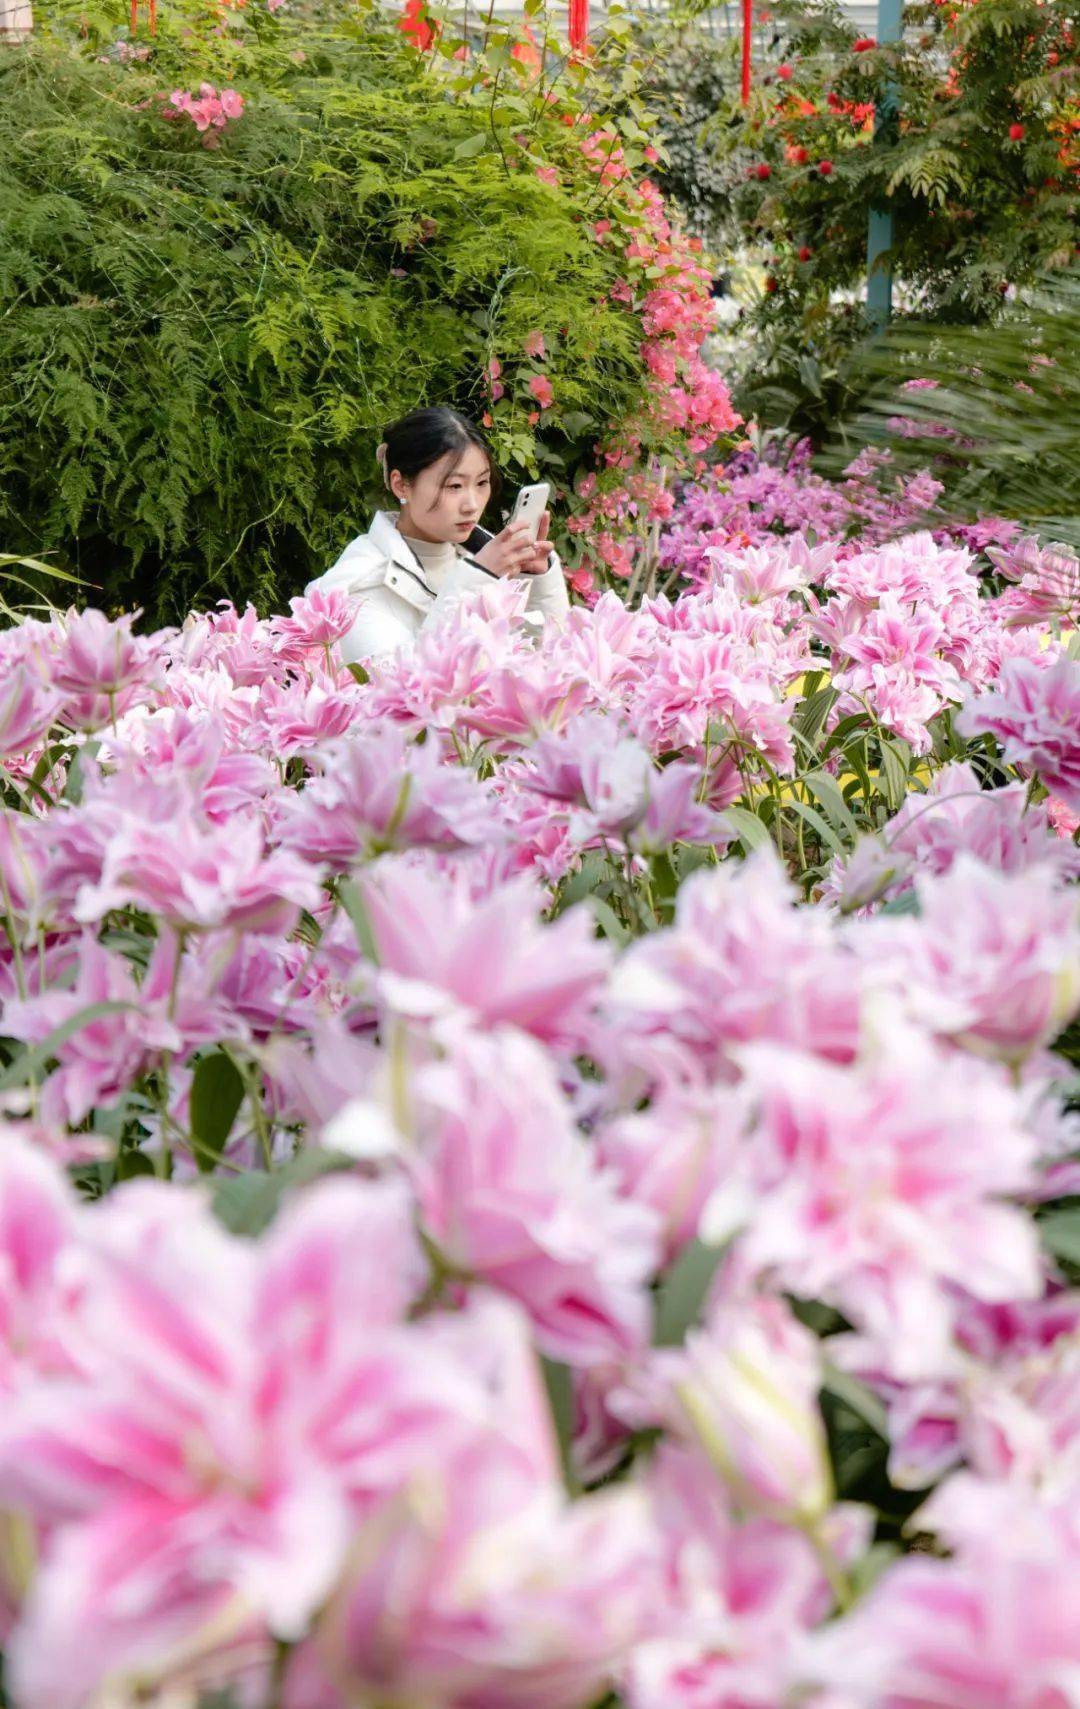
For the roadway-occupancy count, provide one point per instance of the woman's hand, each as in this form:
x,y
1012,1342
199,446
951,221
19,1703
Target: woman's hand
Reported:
x,y
541,550
514,553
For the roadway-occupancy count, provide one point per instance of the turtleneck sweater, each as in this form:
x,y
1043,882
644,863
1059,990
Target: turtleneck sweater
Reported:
x,y
436,559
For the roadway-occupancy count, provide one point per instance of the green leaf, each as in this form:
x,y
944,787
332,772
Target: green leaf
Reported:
x,y
34,785
908,903
353,904
472,146
45,764
73,783
111,1120
248,1203
583,882
827,791
749,829
36,564
665,880
558,1382
132,1163
813,712
856,759
608,921
358,672
217,1091
866,1571
819,824
839,735
810,374
577,421
28,1062
858,1399
895,766
682,1292
1060,1234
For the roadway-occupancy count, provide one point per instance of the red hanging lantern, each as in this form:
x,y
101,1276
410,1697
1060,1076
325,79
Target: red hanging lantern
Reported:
x,y
747,41
579,24
151,14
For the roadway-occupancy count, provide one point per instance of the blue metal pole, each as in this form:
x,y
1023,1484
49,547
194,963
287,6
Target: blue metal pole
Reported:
x,y
879,236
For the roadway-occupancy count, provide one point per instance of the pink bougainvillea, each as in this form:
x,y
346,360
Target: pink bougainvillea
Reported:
x,y
208,109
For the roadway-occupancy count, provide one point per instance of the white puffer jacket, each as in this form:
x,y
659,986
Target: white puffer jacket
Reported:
x,y
395,599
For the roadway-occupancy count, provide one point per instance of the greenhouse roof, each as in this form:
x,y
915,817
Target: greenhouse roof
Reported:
x,y
721,18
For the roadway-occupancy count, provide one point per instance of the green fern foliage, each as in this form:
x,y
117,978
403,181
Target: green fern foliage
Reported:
x,y
996,412
201,344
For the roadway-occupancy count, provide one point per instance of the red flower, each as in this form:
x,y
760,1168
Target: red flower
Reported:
x,y
864,44
763,169
1016,133
805,253
785,73
413,23
824,167
770,285
526,52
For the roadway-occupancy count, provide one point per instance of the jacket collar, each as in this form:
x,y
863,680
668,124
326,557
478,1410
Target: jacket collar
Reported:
x,y
384,534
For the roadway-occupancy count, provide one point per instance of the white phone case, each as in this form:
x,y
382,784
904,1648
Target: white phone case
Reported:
x,y
530,505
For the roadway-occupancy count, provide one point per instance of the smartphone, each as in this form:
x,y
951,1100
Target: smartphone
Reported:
x,y
530,505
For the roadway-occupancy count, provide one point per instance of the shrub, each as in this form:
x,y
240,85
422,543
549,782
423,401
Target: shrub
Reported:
x,y
991,410
683,74
208,327
978,165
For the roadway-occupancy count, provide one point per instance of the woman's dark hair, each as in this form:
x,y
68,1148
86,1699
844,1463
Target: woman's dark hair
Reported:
x,y
424,436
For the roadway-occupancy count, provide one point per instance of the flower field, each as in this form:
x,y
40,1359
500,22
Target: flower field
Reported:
x,y
546,1175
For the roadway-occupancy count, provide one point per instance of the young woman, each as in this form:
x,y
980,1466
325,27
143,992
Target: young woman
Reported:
x,y
411,568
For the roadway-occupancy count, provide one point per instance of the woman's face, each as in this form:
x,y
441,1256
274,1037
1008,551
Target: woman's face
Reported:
x,y
446,500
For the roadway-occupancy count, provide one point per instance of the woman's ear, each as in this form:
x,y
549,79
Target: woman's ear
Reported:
x,y
398,485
